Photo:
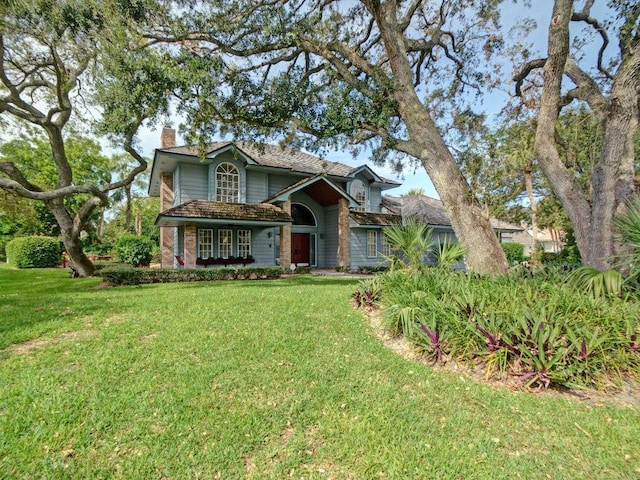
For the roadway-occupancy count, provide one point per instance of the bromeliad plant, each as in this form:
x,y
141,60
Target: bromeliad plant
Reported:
x,y
542,345
429,340
534,329
368,292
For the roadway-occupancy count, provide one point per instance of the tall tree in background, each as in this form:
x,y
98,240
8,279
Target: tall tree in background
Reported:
x,y
373,73
611,90
30,153
50,52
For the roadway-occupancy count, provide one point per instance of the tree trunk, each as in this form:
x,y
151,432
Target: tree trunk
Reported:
x,y
612,181
473,229
127,217
562,182
528,183
71,238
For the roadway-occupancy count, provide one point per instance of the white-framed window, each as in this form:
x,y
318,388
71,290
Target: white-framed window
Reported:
x,y
385,248
244,243
359,194
372,243
205,243
225,243
227,183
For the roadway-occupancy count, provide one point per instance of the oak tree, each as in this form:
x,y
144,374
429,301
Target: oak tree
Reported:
x,y
381,74
610,87
52,56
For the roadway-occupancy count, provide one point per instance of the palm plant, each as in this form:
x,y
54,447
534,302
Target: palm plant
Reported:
x,y
412,240
628,226
598,284
449,253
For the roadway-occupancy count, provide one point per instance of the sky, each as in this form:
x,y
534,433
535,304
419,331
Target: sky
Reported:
x,y
415,178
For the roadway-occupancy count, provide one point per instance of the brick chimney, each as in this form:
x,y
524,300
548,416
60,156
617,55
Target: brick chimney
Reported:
x,y
168,138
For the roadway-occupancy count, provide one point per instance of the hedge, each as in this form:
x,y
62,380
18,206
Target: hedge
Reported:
x,y
138,276
34,252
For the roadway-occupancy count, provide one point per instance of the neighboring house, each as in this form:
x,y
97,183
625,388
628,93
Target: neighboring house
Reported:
x,y
240,202
431,212
548,239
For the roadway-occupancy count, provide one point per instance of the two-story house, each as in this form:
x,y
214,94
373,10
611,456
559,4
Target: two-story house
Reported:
x,y
240,202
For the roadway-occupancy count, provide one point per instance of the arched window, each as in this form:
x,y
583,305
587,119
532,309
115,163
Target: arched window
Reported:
x,y
227,183
302,215
359,193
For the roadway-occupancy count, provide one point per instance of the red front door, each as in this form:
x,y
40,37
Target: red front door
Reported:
x,y
299,248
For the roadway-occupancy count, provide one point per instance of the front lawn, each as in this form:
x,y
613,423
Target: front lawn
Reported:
x,y
262,379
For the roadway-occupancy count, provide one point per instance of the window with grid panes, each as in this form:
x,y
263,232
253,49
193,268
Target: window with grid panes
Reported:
x,y
205,243
372,243
225,243
385,249
359,194
244,243
227,183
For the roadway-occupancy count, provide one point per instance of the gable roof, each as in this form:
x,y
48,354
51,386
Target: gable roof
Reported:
x,y
209,211
264,155
321,188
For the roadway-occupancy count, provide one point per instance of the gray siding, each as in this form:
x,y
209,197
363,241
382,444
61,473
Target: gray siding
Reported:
x,y
257,186
193,182
358,249
280,182
331,237
176,186
263,247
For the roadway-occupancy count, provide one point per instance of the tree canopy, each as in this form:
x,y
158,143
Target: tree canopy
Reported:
x,y
376,74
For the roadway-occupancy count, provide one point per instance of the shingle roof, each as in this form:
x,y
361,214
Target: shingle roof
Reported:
x,y
228,211
431,211
425,209
378,219
276,156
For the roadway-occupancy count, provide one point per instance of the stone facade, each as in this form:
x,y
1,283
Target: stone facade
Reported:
x,y
285,238
166,233
190,251
343,233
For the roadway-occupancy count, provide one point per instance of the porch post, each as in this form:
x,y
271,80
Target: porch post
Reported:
x,y
343,233
166,233
190,245
285,238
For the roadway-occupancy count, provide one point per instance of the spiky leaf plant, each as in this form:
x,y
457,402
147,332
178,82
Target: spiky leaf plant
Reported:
x,y
596,283
411,240
628,226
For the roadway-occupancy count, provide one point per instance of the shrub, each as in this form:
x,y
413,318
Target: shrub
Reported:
x,y
118,276
34,252
534,328
570,255
134,250
514,252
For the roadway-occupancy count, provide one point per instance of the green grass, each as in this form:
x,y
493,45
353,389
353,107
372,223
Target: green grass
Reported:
x,y
257,379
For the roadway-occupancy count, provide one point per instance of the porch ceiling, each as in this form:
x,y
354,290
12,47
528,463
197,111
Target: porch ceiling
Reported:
x,y
319,187
322,193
